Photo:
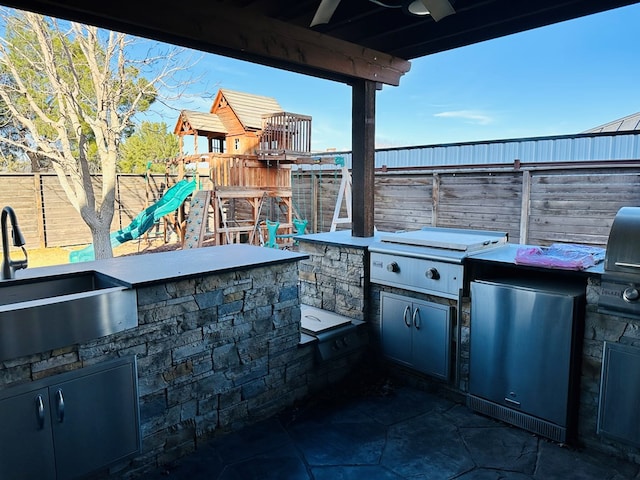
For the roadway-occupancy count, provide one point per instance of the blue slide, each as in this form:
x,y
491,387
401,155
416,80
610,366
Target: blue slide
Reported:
x,y
169,202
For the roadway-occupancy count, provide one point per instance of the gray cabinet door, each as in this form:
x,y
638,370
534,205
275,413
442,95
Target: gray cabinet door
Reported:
x,y
26,446
416,333
396,327
431,334
94,420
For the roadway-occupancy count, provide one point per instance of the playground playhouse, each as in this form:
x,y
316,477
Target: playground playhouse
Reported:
x,y
243,192
240,189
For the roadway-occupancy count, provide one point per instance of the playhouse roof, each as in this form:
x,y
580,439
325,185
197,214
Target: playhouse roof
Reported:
x,y
248,108
200,122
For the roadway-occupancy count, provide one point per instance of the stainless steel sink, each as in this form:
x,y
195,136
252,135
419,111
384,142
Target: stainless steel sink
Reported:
x,y
45,313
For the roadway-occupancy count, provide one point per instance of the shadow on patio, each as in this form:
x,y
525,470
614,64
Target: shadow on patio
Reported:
x,y
378,428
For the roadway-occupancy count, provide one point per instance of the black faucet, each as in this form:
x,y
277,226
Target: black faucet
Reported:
x,y
9,266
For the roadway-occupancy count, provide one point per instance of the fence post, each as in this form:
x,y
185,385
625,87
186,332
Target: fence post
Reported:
x,y
435,199
315,193
39,201
525,206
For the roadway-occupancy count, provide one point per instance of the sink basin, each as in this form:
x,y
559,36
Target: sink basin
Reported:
x,y
45,313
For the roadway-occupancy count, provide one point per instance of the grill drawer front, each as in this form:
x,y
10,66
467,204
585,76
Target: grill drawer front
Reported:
x,y
417,274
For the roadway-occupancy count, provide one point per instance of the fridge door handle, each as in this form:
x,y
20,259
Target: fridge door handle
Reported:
x,y
513,403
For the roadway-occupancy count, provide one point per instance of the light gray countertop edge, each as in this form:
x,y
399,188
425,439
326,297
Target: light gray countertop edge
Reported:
x,y
145,269
339,238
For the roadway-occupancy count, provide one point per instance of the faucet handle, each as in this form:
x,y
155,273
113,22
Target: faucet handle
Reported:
x,y
19,264
18,238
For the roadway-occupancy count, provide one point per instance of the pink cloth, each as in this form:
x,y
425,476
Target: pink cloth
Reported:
x,y
560,255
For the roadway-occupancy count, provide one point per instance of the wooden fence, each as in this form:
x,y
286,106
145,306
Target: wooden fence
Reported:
x,y
47,218
535,204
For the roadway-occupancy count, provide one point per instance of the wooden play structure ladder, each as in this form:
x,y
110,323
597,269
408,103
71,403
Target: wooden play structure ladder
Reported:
x,y
197,219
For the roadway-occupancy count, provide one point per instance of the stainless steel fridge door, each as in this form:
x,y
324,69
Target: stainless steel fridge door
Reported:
x,y
520,349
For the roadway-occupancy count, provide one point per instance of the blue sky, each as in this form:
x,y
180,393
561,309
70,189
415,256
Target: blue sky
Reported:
x,y
560,79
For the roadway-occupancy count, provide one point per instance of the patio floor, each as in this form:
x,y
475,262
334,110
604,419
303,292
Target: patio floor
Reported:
x,y
389,432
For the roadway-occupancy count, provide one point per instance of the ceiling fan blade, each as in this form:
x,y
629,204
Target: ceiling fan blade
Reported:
x,y
438,8
325,12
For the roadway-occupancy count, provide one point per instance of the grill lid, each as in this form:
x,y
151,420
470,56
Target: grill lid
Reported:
x,y
623,246
448,239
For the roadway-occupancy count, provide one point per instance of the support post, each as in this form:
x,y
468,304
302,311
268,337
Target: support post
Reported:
x,y
363,157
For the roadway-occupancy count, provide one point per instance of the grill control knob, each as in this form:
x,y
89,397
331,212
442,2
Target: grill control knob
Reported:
x,y
432,273
630,294
393,267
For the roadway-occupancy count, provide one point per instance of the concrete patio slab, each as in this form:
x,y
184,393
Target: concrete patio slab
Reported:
x,y
393,433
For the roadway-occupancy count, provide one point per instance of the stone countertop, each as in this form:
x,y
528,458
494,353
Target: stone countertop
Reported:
x,y
504,255
507,255
140,270
341,238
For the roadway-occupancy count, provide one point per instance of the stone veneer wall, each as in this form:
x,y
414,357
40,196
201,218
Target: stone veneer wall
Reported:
x,y
334,278
598,329
214,354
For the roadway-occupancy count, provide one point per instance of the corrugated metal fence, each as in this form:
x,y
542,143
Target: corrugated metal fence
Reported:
x,y
553,149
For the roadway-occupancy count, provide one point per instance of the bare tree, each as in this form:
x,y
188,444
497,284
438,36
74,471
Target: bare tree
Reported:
x,y
74,89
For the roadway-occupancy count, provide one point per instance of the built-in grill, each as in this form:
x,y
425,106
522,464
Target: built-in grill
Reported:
x,y
620,283
417,332
620,296
429,260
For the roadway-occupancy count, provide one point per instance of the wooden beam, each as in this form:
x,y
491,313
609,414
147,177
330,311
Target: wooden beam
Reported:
x,y
221,28
363,157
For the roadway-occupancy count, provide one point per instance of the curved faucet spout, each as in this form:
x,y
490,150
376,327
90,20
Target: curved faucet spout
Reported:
x,y
9,266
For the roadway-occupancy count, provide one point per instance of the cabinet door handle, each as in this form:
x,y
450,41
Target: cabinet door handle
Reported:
x,y
416,318
405,316
40,411
60,405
